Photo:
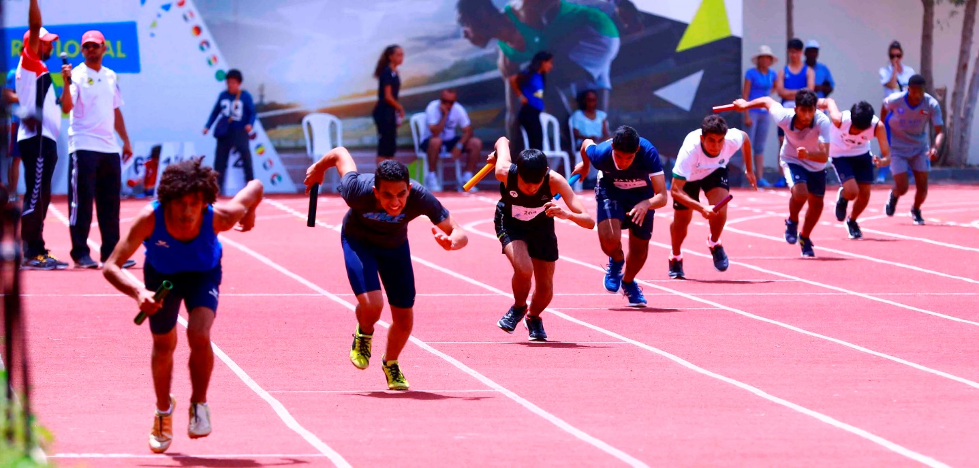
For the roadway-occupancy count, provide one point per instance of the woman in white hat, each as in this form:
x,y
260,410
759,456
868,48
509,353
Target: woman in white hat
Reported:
x,y
759,82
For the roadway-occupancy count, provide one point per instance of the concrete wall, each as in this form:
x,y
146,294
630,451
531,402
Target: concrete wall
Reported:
x,y
853,37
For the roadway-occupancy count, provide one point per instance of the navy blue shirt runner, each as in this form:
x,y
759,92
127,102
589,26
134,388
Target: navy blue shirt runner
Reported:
x,y
631,183
168,255
367,222
522,209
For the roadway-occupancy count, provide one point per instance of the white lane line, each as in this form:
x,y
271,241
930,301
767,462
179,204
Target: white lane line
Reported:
x,y
185,456
390,392
470,228
924,459
279,409
560,423
819,416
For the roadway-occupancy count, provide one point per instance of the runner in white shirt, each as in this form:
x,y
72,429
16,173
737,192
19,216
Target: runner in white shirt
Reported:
x,y
849,146
701,165
448,128
93,100
37,139
804,157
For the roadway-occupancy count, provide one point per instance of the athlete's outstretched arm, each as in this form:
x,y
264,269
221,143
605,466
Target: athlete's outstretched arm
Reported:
x,y
501,154
885,147
584,166
763,102
452,237
832,110
240,209
749,165
337,157
141,230
578,214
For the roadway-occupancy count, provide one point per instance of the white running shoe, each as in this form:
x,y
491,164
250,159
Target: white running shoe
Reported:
x,y
200,421
432,182
162,433
465,178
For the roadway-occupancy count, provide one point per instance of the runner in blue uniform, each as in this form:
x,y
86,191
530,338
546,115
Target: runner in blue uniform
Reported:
x,y
180,234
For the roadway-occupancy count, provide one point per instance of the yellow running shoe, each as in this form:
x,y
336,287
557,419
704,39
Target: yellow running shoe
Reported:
x,y
162,433
200,421
360,350
396,380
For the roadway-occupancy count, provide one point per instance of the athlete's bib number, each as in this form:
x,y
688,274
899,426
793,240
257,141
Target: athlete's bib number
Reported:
x,y
629,184
523,213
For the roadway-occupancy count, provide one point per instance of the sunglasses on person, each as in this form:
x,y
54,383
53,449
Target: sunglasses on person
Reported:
x,y
894,56
91,45
447,102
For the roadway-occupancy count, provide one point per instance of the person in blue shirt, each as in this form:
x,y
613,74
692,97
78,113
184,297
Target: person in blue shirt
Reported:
x,y
758,82
631,186
530,84
524,224
237,116
823,78
180,234
374,238
11,100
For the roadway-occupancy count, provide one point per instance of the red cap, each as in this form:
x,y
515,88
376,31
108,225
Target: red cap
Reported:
x,y
43,35
93,36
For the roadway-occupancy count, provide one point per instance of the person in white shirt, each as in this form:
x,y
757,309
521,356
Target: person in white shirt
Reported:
x,y
849,146
701,165
894,77
448,128
804,156
37,138
92,101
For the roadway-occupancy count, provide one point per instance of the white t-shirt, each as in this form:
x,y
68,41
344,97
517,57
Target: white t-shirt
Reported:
x,y
457,120
693,164
808,137
902,78
842,144
96,96
32,73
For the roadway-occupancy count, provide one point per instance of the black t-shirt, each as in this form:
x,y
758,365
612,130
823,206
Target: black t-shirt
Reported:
x,y
367,222
388,78
525,210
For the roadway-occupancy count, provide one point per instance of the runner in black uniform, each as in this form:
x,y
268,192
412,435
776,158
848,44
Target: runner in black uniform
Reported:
x,y
525,226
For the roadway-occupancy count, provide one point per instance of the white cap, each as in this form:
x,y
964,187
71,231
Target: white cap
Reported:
x,y
812,44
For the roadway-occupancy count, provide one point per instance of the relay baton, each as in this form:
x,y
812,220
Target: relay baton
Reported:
x,y
161,293
573,180
314,193
724,108
723,202
479,176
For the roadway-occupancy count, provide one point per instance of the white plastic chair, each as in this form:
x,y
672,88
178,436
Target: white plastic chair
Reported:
x,y
552,141
319,140
418,122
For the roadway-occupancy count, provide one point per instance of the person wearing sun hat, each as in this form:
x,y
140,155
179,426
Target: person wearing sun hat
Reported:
x,y
37,138
93,99
759,82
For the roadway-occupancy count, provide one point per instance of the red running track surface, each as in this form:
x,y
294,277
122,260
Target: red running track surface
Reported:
x,y
864,356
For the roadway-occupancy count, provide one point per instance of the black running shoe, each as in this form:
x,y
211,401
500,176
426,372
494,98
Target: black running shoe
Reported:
x,y
86,262
720,257
891,205
513,316
791,231
807,246
676,269
916,216
853,229
841,204
536,328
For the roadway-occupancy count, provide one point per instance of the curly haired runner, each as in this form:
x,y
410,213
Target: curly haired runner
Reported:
x,y
179,232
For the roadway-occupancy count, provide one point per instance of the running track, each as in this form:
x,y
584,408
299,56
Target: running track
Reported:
x,y
864,356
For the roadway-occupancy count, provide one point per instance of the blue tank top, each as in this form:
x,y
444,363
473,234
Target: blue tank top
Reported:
x,y
168,255
796,81
761,85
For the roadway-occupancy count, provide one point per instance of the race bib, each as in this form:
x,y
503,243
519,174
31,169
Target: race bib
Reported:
x,y
630,184
523,213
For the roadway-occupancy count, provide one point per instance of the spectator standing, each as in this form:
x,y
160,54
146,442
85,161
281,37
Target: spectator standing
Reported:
x,y
237,111
388,113
759,82
823,78
894,77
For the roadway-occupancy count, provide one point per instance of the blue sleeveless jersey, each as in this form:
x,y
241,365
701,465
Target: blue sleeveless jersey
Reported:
x,y
795,81
168,255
